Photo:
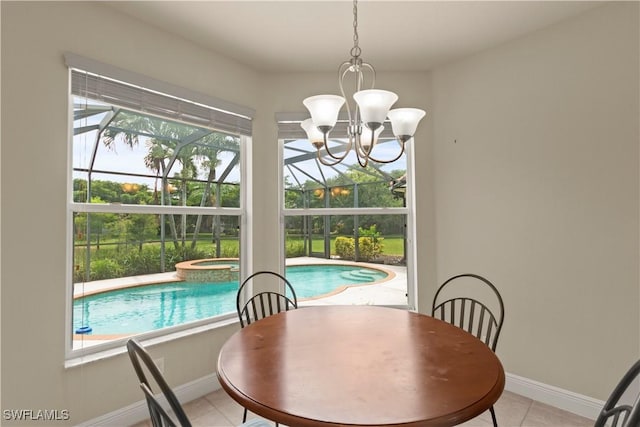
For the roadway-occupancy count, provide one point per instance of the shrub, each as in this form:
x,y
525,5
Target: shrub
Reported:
x,y
78,274
105,269
137,262
370,243
230,251
345,247
295,249
186,253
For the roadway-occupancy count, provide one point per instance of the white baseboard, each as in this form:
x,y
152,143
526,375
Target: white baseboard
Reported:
x,y
563,399
579,404
138,411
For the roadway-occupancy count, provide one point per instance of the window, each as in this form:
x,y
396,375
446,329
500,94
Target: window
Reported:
x,y
357,219
157,201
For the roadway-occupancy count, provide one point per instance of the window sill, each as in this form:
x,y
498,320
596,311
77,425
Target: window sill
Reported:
x,y
84,359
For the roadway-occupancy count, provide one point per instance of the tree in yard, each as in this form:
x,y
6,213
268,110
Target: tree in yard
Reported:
x,y
208,151
140,228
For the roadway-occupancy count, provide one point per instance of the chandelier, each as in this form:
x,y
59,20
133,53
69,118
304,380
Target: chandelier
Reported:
x,y
366,118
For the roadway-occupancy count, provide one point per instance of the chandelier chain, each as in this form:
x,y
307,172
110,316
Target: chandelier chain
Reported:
x,y
355,50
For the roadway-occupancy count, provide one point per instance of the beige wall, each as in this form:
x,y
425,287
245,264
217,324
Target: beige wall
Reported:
x,y
540,192
34,180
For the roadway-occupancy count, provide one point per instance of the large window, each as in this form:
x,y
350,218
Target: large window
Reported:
x,y
349,217
155,213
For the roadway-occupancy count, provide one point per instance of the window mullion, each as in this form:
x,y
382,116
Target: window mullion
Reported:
x,y
345,211
154,209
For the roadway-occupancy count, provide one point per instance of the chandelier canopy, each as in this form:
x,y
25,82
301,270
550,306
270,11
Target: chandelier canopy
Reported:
x,y
372,108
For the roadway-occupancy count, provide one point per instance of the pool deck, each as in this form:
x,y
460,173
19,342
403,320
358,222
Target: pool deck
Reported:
x,y
389,292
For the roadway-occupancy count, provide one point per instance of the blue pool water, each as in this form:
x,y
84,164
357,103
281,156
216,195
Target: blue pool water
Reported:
x,y
146,308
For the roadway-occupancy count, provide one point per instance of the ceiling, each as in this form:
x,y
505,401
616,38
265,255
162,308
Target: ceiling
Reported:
x,y
304,36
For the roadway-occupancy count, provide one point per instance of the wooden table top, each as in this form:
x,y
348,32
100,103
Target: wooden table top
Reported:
x,y
359,366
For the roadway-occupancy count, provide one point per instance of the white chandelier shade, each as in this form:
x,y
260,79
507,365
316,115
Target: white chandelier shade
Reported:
x,y
374,105
314,135
324,109
370,138
404,122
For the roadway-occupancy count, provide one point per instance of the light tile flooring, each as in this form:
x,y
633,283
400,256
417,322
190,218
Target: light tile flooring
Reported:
x,y
217,409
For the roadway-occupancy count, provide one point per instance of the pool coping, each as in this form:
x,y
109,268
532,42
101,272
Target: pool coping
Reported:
x,y
100,286
95,287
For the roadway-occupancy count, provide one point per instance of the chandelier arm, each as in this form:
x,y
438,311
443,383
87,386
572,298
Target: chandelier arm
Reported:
x,y
392,160
344,68
363,160
373,73
361,152
322,160
333,156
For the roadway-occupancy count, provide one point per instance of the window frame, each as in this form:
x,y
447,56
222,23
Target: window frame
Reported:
x,y
408,210
75,63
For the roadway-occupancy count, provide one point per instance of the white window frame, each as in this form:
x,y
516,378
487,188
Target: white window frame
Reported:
x,y
408,210
82,355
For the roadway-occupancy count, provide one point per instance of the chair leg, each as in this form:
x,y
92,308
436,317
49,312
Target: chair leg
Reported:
x,y
244,417
493,417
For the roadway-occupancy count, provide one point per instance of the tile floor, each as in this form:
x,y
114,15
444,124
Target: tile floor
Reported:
x,y
217,409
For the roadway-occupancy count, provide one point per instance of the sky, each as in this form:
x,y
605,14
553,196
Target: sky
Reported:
x,y
130,160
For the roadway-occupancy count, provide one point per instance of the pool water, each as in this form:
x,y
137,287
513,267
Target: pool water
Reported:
x,y
147,308
313,280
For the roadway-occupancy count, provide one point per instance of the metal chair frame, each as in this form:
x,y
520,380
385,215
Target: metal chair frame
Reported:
x,y
477,315
138,353
621,415
159,417
266,303
263,304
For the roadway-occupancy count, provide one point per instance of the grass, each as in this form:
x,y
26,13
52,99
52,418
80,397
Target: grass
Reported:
x,y
392,245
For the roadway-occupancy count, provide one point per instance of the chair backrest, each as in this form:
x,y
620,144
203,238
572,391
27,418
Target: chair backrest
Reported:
x,y
264,303
480,312
616,413
142,360
159,417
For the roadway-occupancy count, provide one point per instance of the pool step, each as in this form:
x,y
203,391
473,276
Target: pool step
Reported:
x,y
360,275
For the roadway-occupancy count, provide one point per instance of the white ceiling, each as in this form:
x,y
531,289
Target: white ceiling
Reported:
x,y
302,36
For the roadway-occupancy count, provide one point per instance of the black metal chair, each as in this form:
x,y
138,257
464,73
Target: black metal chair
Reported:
x,y
159,417
264,303
460,302
621,414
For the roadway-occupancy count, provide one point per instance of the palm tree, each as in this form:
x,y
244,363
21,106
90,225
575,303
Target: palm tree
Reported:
x,y
167,143
213,145
160,158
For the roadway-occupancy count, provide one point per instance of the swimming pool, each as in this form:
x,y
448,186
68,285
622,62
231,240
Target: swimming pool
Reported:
x,y
151,307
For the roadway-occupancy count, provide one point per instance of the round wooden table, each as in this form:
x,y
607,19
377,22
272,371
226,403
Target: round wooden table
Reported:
x,y
359,366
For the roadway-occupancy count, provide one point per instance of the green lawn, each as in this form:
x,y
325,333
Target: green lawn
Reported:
x,y
392,245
